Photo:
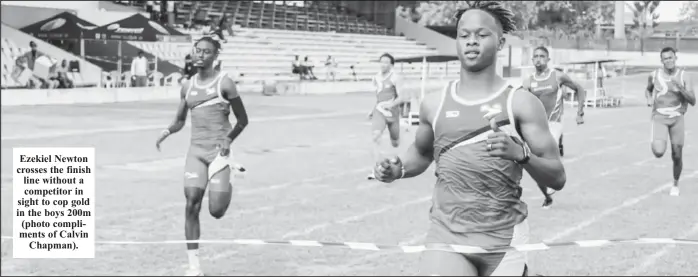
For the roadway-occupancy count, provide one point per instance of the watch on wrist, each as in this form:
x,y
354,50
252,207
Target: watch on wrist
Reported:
x,y
526,153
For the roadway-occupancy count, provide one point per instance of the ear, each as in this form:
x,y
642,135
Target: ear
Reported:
x,y
502,41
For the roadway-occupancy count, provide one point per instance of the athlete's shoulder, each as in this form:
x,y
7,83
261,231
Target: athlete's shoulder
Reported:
x,y
186,84
227,86
431,101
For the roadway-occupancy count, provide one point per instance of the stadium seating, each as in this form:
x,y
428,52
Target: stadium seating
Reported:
x,y
319,16
14,44
266,54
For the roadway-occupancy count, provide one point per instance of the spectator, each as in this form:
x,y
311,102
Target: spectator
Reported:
x,y
189,69
139,70
215,30
61,75
297,68
225,25
27,60
308,68
331,68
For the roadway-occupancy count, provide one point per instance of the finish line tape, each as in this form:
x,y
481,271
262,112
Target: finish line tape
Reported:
x,y
418,248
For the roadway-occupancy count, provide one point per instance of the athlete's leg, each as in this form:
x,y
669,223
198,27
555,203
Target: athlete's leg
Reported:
x,y
394,132
195,180
556,132
441,263
220,191
378,125
660,132
677,135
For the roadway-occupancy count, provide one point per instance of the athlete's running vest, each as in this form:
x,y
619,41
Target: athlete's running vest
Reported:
x,y
209,111
386,90
475,192
668,100
547,89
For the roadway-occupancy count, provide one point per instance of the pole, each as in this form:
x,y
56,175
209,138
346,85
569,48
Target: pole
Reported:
x,y
424,79
119,60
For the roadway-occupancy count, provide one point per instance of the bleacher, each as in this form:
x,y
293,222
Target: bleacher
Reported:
x,y
266,54
321,16
15,43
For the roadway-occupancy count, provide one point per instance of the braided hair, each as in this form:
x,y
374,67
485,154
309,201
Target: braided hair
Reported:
x,y
215,42
503,16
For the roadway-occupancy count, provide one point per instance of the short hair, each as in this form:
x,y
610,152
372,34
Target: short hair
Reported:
x,y
32,43
390,57
503,16
140,52
667,49
542,48
216,43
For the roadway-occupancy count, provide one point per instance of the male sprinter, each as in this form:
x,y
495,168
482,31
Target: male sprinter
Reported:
x,y
669,91
210,95
386,113
477,197
546,84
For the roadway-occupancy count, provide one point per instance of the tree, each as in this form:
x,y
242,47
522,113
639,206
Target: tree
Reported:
x,y
689,11
645,17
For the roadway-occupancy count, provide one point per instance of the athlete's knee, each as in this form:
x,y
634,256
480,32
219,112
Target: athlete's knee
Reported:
x,y
194,199
658,148
676,153
376,136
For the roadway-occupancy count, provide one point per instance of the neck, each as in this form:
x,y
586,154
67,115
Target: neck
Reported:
x,y
670,71
541,71
483,80
206,72
385,72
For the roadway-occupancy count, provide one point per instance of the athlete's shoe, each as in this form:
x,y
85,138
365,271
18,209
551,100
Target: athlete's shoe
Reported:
x,y
674,191
194,272
547,202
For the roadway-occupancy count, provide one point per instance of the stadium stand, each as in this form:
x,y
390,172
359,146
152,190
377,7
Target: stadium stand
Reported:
x,y
15,43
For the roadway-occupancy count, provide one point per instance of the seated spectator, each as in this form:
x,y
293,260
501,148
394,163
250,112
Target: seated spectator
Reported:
x,y
27,60
61,75
308,66
297,68
331,68
189,69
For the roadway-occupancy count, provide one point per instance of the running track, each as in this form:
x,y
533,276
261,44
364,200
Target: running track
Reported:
x,y
307,159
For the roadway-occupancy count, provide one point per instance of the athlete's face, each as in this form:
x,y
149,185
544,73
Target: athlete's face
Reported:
x,y
540,60
205,54
479,38
669,60
385,64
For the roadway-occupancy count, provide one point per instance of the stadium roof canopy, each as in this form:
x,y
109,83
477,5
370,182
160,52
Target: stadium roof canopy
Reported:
x,y
64,25
136,27
592,61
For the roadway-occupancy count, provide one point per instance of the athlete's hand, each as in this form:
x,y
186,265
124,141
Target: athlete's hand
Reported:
x,y
677,84
370,115
388,170
161,138
500,144
224,146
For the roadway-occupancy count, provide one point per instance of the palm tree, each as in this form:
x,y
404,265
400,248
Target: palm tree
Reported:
x,y
644,20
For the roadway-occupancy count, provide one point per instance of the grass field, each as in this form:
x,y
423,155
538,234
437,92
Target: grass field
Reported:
x,y
307,158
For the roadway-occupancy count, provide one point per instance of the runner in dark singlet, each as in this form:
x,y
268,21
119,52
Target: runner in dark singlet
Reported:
x,y
386,111
669,91
210,95
546,84
481,131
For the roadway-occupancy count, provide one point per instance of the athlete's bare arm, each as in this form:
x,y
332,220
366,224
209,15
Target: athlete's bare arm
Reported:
x,y
230,93
687,91
420,154
565,80
401,96
544,166
182,110
650,88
